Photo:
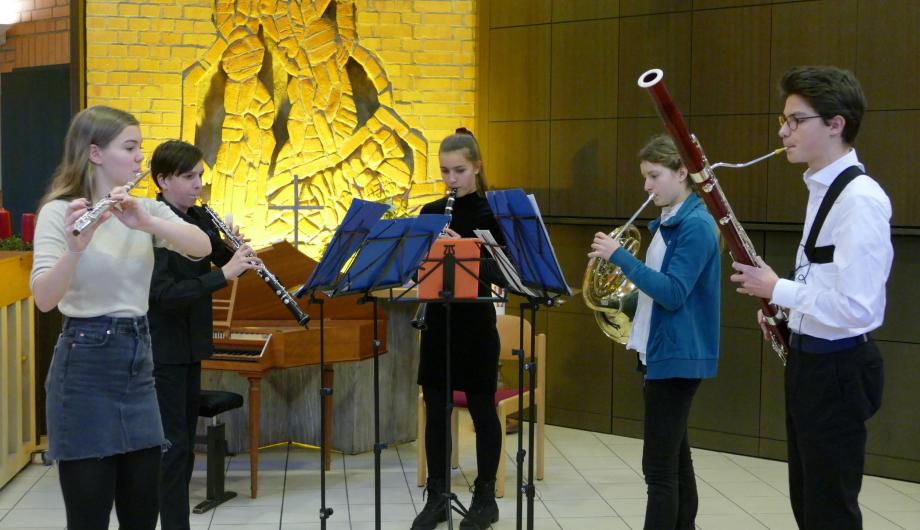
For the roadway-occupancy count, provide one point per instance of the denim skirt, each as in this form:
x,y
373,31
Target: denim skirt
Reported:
x,y
101,399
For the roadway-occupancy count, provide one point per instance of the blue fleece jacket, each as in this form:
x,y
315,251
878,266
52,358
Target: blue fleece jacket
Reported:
x,y
684,330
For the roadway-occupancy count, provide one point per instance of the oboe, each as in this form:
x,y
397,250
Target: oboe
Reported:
x,y
235,243
95,212
419,321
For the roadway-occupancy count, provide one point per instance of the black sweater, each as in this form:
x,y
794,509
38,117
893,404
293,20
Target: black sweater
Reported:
x,y
474,338
180,315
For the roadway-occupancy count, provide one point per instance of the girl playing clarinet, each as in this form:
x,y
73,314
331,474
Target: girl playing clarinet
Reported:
x,y
474,348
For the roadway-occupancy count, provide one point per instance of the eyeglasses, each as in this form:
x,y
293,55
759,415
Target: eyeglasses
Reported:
x,y
793,121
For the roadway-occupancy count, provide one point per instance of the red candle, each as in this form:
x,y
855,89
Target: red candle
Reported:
x,y
28,227
6,228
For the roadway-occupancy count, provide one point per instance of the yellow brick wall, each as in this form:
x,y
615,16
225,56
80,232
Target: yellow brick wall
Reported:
x,y
136,52
40,36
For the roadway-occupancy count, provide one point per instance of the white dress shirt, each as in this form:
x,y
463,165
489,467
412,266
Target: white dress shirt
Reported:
x,y
638,336
844,298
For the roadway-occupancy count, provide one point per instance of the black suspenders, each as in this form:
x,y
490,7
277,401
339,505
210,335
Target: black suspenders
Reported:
x,y
826,254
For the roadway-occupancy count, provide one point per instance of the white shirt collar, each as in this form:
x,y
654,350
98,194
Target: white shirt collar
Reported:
x,y
670,211
826,175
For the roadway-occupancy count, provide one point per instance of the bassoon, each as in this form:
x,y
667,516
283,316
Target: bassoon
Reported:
x,y
707,187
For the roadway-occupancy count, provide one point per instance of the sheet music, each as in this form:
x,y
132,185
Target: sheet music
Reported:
x,y
504,264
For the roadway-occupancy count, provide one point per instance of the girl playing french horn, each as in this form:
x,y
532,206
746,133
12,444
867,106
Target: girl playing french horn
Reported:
x,y
675,330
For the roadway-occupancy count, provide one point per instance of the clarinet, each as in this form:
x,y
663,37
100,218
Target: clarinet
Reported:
x,y
105,204
419,322
740,246
235,243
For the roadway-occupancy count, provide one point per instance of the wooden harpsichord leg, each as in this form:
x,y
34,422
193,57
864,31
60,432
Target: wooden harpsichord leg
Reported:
x,y
254,418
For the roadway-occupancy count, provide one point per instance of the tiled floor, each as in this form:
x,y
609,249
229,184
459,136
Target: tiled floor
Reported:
x,y
593,481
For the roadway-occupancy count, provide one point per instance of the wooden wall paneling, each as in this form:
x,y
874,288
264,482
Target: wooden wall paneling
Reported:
x,y
738,310
578,380
583,160
568,10
519,73
518,157
655,41
723,4
631,8
772,399
628,401
730,403
895,428
632,134
738,139
731,61
887,145
584,69
829,39
779,252
888,45
519,12
902,291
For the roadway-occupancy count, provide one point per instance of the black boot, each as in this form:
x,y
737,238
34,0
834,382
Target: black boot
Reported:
x,y
483,510
435,510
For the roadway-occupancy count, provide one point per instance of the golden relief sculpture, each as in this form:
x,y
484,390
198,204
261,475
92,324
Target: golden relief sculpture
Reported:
x,y
286,91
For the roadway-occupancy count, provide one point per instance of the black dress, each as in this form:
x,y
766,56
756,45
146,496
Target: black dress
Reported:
x,y
474,337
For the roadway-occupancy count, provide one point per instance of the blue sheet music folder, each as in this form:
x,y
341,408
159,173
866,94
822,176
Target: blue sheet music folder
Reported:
x,y
528,241
359,220
391,254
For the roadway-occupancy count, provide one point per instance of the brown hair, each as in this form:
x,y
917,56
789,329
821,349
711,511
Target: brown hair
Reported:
x,y
463,139
172,158
660,149
831,91
97,125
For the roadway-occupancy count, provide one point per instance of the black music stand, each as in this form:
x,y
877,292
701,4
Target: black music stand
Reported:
x,y
450,263
359,219
535,261
387,258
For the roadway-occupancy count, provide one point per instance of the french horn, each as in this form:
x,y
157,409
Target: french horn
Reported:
x,y
607,291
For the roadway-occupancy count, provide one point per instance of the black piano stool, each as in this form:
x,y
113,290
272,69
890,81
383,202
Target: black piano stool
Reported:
x,y
214,402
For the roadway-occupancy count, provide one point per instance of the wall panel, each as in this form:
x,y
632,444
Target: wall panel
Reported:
x,y
887,48
832,31
565,10
524,163
519,73
665,43
584,69
583,168
732,63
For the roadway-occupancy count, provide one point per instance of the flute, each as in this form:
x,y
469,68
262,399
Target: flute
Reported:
x,y
271,281
105,204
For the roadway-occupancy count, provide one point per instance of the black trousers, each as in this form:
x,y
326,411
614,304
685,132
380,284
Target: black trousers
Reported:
x,y
485,421
666,464
90,485
178,388
829,397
